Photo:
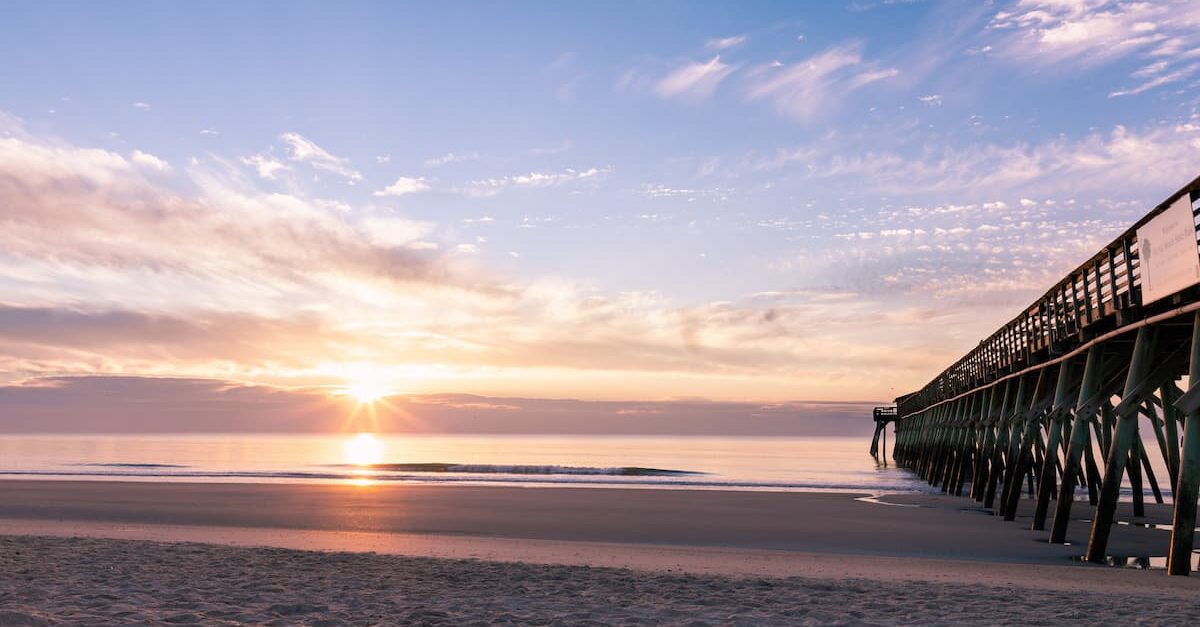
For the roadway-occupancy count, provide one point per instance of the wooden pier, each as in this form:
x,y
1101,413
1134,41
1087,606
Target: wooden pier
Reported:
x,y
882,415
1062,394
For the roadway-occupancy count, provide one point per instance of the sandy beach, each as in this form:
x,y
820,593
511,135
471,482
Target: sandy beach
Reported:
x,y
111,552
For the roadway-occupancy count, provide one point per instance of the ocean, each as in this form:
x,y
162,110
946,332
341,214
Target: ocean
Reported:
x,y
735,463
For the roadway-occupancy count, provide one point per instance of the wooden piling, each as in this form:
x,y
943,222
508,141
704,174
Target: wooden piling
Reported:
x,y
1012,496
1169,393
1118,454
1080,438
1003,454
1183,524
1062,396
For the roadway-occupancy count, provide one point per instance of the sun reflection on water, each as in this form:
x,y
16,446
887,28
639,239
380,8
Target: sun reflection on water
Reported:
x,y
363,449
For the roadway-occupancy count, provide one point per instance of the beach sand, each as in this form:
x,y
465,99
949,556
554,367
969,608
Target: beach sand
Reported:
x,y
109,552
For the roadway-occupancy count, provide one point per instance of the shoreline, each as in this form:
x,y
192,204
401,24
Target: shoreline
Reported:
x,y
505,482
679,559
906,526
116,553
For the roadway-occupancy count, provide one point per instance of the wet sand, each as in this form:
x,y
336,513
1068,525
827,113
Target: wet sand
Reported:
x,y
825,550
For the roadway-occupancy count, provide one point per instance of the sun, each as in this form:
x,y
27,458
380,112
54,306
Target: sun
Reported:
x,y
366,392
363,449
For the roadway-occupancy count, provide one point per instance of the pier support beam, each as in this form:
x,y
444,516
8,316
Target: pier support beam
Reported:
x,y
1080,437
1004,453
1179,560
1118,453
1169,393
1062,397
1012,494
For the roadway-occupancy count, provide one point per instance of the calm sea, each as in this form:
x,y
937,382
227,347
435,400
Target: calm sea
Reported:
x,y
743,463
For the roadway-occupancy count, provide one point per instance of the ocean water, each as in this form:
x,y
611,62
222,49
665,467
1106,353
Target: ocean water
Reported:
x,y
739,463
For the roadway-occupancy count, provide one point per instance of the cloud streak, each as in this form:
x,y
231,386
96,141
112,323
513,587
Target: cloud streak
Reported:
x,y
694,82
1165,36
484,188
305,150
804,89
1060,166
725,43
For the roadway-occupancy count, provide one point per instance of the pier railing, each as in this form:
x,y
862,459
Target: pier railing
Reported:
x,y
1055,397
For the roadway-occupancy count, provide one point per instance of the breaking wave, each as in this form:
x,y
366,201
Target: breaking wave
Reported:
x,y
520,469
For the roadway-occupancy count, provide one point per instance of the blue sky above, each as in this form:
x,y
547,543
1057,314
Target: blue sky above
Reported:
x,y
610,200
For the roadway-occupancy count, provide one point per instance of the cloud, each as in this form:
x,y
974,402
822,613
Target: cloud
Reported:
x,y
694,81
716,194
200,272
933,100
277,288
1117,162
149,161
726,43
90,214
303,149
1053,30
451,157
804,89
1157,81
141,105
1165,36
405,185
390,231
535,180
266,166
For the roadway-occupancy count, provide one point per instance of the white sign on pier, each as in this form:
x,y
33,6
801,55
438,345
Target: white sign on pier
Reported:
x,y
1167,250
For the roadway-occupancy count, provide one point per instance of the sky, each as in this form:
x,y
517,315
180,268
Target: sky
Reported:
x,y
741,204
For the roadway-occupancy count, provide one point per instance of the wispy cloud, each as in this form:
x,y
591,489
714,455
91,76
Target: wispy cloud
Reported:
x,y
141,105
665,191
305,150
227,298
1115,162
405,185
725,43
694,81
1164,35
535,180
266,166
1156,79
452,157
804,89
136,225
278,287
393,231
